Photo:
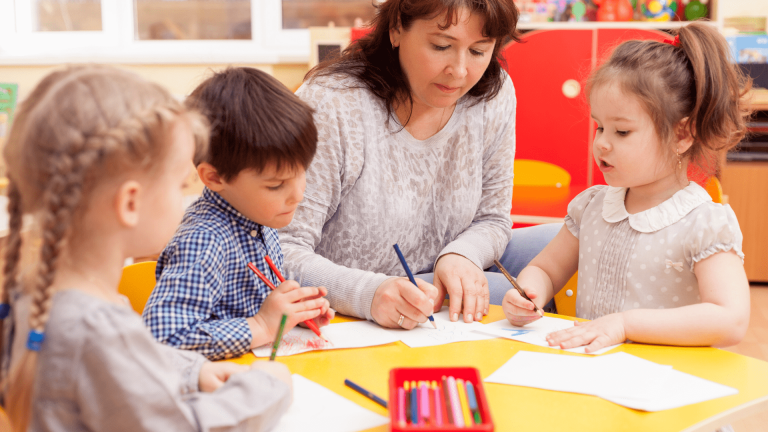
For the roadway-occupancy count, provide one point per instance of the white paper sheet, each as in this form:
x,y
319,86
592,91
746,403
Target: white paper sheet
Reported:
x,y
447,332
355,334
317,409
677,389
536,333
620,378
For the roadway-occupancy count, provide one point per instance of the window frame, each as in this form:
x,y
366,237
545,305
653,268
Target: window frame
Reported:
x,y
116,43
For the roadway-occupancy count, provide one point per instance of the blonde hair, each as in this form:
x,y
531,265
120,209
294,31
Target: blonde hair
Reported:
x,y
692,78
79,126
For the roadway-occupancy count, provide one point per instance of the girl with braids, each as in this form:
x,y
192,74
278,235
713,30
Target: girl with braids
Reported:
x,y
658,261
100,156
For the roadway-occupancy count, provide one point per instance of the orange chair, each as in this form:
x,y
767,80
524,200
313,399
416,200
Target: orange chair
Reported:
x,y
137,283
530,172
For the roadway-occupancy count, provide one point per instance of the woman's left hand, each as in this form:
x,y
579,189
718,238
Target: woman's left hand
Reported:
x,y
600,333
466,286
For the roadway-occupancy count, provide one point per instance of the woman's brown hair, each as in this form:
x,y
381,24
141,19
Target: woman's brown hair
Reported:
x,y
690,82
374,62
78,127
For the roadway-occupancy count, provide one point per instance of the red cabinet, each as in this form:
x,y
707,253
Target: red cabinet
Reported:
x,y
549,70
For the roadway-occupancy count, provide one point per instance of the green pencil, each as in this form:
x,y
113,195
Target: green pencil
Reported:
x,y
278,338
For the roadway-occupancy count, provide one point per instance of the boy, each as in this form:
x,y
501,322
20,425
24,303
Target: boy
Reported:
x,y
206,299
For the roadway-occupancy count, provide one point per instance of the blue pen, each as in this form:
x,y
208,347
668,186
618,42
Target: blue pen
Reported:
x,y
366,393
473,402
410,276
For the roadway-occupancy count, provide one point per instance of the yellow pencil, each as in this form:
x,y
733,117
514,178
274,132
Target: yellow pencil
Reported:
x,y
464,402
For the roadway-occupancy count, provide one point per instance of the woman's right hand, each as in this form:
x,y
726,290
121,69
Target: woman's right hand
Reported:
x,y
398,296
518,310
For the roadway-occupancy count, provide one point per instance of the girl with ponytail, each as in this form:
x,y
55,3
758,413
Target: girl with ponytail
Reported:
x,y
99,157
658,261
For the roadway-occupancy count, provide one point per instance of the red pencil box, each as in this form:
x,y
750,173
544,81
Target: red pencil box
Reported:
x,y
398,376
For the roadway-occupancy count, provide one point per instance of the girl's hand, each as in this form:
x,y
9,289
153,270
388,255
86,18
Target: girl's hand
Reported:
x,y
214,375
466,286
518,310
597,334
299,303
398,296
276,369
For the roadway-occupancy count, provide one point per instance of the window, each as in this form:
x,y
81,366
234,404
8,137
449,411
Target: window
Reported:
x,y
169,31
193,19
299,14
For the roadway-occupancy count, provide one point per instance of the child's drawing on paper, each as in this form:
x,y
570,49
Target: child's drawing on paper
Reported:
x,y
447,332
345,335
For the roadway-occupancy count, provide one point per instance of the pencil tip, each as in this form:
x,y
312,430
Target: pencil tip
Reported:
x,y
541,314
434,325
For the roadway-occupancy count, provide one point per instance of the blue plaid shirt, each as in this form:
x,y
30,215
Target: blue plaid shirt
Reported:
x,y
204,290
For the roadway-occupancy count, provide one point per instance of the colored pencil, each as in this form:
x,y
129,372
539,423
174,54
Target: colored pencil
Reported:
x,y
309,323
407,388
401,406
410,276
447,401
458,417
472,399
365,393
424,409
464,404
414,404
517,287
438,418
278,338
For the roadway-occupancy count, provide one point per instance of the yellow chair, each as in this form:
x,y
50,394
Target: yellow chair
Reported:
x,y
137,283
714,189
530,172
566,304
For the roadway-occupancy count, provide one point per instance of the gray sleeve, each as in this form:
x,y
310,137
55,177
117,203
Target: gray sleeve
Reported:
x,y
491,229
126,382
350,291
187,364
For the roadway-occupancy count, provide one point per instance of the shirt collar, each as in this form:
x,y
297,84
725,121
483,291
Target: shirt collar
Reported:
x,y
655,218
217,201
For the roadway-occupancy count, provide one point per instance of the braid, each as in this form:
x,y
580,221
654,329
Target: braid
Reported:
x,y
12,258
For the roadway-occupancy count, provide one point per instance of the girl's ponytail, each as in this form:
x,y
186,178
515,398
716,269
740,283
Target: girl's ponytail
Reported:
x,y
719,114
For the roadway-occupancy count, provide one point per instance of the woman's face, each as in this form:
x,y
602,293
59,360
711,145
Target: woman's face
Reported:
x,y
443,65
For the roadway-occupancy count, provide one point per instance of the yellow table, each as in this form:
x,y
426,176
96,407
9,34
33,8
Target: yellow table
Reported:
x,y
527,409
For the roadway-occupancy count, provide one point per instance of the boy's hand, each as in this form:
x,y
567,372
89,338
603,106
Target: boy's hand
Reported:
x,y
214,375
518,310
299,303
597,334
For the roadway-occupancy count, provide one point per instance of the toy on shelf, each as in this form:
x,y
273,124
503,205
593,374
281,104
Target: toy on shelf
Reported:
x,y
614,10
659,10
695,9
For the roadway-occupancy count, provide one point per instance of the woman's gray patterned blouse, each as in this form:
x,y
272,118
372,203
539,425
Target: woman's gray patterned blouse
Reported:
x,y
372,185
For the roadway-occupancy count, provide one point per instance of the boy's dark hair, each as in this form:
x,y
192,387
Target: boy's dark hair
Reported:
x,y
255,120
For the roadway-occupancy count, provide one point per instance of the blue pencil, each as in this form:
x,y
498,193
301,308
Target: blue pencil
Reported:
x,y
410,276
414,404
366,393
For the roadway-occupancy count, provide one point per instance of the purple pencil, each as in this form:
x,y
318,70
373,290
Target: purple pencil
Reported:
x,y
424,403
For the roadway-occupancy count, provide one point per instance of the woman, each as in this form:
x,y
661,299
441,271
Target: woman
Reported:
x,y
416,141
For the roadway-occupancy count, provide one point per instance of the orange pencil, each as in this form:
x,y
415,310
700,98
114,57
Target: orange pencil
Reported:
x,y
309,323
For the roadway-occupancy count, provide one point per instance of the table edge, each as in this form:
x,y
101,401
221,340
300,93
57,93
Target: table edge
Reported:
x,y
739,412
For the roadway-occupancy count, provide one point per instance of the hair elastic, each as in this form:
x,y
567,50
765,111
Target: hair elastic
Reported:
x,y
674,42
35,340
5,309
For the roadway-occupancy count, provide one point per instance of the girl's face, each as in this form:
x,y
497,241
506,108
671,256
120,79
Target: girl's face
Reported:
x,y
162,203
443,65
626,148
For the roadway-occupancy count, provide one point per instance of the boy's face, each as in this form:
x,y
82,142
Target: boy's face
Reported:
x,y
268,198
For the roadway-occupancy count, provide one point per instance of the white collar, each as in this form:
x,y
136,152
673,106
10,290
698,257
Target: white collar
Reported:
x,y
655,218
